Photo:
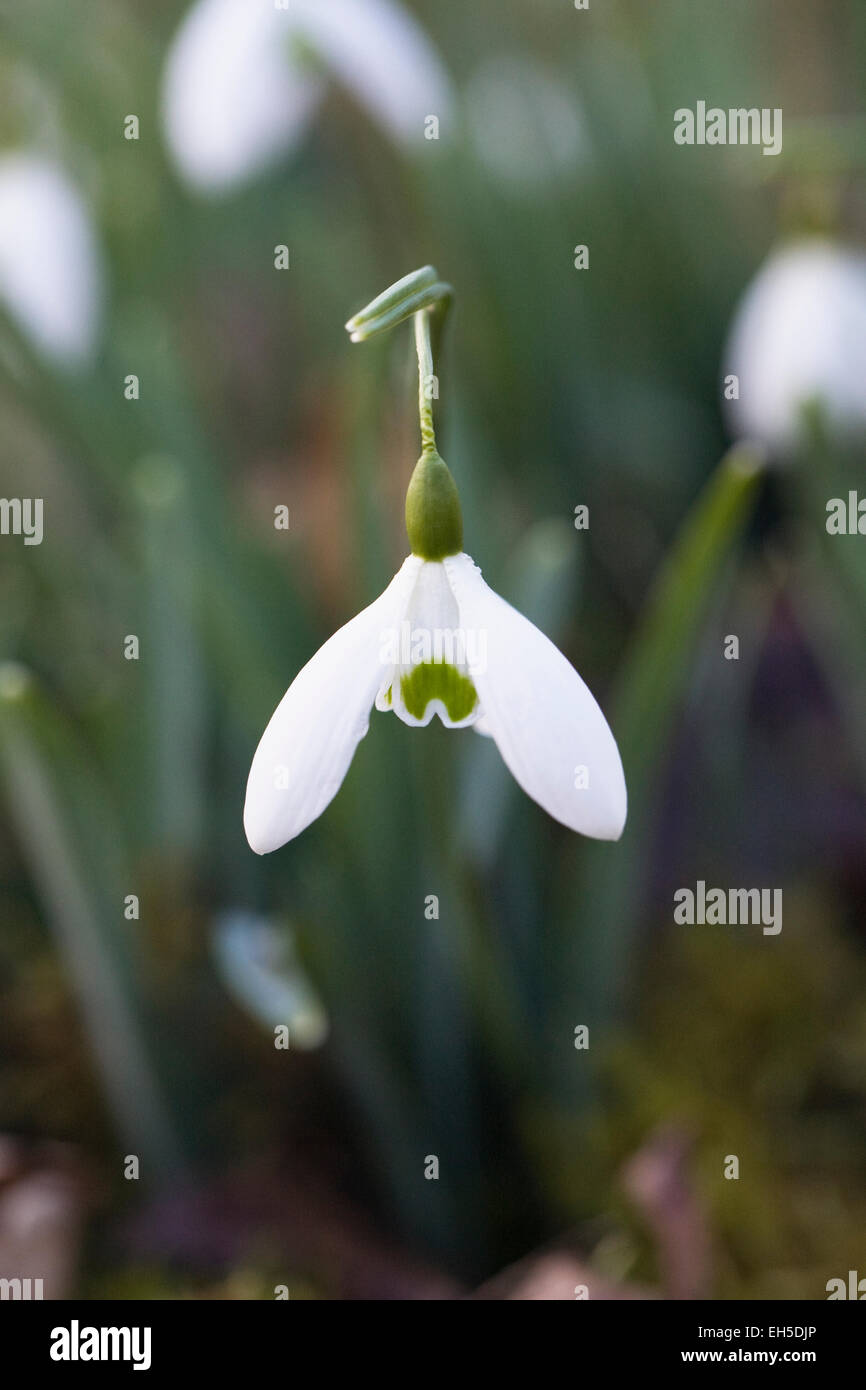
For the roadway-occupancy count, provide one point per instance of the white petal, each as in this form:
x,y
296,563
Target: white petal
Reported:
x,y
430,636
50,267
237,97
233,101
305,751
383,56
799,333
259,966
547,726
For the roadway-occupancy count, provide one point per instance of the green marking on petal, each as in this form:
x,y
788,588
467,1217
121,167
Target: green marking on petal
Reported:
x,y
387,696
438,680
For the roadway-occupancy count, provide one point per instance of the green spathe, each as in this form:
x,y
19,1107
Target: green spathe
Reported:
x,y
438,680
434,522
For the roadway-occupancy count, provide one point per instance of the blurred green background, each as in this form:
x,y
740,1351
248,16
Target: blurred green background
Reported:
x,y
413,1037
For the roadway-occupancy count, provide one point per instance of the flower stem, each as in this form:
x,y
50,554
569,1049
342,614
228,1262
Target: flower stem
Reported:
x,y
425,381
423,296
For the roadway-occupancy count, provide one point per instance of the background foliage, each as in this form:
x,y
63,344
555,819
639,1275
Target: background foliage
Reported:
x,y
452,1037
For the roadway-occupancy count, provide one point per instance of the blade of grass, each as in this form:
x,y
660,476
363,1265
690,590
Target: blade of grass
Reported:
x,y
78,921
643,711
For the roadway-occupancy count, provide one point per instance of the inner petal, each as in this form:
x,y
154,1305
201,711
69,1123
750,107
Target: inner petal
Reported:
x,y
431,672
438,681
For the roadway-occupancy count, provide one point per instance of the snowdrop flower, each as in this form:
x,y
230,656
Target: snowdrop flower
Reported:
x,y
259,965
243,79
437,641
50,267
799,335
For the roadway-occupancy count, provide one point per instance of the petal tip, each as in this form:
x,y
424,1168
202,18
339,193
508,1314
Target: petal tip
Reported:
x,y
257,842
259,830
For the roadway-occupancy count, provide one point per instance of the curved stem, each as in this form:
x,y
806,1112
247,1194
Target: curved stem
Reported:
x,y
424,297
425,381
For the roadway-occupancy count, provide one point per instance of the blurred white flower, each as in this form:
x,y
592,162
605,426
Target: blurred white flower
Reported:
x,y
525,127
240,88
50,264
259,965
799,335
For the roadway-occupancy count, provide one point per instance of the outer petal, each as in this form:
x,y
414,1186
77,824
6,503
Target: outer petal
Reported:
x,y
305,751
380,52
799,333
233,101
546,723
50,263
238,91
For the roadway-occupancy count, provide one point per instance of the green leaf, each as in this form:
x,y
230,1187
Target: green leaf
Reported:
x,y
35,753
642,714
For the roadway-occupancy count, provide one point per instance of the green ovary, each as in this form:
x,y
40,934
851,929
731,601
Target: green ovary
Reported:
x,y
438,680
